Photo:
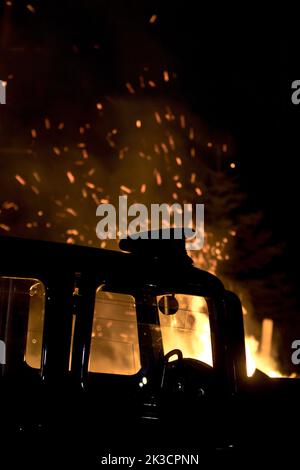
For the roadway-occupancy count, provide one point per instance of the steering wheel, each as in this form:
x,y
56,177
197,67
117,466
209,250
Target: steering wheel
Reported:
x,y
170,354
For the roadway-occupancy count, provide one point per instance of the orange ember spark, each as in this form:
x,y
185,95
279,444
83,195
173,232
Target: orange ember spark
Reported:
x,y
164,147
182,121
71,177
30,8
35,189
72,231
166,76
142,81
36,176
56,151
157,117
130,88
20,180
125,189
158,177
71,211
153,19
4,227
10,205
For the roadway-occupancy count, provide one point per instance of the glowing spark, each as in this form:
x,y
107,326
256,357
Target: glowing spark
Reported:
x,y
152,84
138,124
171,142
5,227
157,117
158,177
61,126
125,189
198,191
30,8
182,121
56,151
71,177
90,185
166,76
232,165
71,211
224,148
36,176
10,205
20,180
47,123
143,188
164,147
35,189
33,133
142,81
193,178
178,161
85,154
153,19
193,152
209,144
96,199
99,106
130,88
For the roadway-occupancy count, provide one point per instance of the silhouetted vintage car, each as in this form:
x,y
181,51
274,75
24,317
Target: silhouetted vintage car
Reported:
x,y
128,353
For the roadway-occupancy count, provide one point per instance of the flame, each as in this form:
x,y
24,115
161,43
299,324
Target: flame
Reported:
x,y
255,360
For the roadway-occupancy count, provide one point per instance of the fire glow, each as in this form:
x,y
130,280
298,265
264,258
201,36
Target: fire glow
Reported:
x,y
165,162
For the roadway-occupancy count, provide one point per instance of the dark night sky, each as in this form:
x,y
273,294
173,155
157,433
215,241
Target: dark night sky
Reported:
x,y
234,73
